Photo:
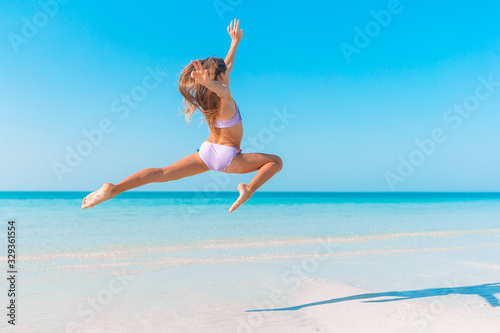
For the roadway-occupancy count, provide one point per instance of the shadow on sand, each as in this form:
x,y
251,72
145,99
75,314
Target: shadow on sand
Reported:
x,y
487,291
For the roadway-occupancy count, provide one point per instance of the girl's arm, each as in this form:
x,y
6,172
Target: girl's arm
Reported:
x,y
202,76
236,36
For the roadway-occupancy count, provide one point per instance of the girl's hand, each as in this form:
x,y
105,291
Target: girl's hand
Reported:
x,y
234,32
200,74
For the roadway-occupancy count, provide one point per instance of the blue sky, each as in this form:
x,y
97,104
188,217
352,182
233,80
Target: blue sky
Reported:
x,y
354,120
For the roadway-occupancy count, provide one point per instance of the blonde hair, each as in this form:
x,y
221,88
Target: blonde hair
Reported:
x,y
197,96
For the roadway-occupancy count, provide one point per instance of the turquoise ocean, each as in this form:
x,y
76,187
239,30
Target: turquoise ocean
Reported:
x,y
184,250
53,222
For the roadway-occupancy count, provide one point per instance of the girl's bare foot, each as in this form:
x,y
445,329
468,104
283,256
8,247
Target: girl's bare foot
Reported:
x,y
245,194
101,195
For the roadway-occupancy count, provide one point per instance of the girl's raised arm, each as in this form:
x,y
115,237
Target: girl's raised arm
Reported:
x,y
236,36
202,76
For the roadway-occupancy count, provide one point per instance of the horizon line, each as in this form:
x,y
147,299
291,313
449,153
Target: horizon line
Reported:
x,y
392,192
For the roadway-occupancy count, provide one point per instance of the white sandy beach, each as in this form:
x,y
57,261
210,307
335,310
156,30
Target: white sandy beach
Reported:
x,y
285,286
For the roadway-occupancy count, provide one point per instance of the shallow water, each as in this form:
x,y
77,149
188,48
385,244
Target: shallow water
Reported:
x,y
182,250
52,222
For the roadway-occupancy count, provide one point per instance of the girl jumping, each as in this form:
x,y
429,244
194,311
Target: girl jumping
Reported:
x,y
205,86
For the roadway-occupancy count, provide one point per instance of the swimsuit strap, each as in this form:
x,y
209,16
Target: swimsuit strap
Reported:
x,y
230,122
239,150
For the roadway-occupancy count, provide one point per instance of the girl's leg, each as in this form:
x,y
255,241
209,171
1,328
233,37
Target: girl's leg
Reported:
x,y
188,166
266,164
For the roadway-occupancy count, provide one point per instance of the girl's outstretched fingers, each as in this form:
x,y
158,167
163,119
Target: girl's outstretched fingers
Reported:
x,y
234,30
245,194
199,73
